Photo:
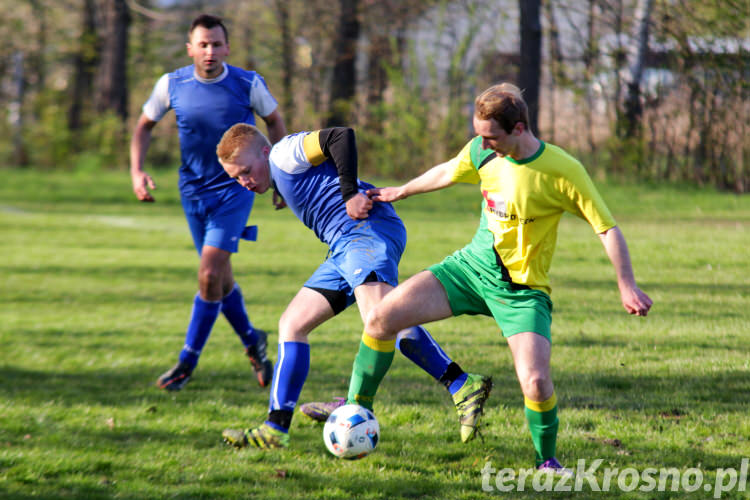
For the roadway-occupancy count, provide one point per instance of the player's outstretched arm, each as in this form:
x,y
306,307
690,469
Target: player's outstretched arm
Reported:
x,y
139,144
438,177
633,298
275,125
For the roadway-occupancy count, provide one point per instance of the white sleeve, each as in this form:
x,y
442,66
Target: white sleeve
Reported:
x,y
158,104
261,99
289,155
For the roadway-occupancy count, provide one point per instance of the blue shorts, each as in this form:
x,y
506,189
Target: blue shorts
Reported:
x,y
219,219
369,252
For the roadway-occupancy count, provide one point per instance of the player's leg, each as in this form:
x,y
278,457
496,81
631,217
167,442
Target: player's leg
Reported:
x,y
228,213
368,259
254,340
429,296
206,306
370,264
324,295
417,345
225,228
524,316
387,312
531,356
308,309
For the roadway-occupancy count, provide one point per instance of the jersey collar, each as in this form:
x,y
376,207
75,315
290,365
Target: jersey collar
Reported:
x,y
212,80
530,158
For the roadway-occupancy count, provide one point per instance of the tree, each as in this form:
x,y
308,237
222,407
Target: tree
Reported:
x,y
16,111
84,65
636,58
287,59
112,90
344,71
531,57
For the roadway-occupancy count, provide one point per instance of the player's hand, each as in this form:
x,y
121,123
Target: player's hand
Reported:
x,y
636,301
142,182
386,194
359,206
278,200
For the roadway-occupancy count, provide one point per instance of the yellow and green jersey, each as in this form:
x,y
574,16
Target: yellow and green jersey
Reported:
x,y
523,203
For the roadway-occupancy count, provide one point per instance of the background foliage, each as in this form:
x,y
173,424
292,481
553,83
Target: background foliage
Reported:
x,y
409,90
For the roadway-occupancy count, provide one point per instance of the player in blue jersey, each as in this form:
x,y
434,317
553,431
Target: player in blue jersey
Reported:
x,y
316,175
208,97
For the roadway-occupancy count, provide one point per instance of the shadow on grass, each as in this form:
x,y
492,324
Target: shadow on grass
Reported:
x,y
119,387
144,273
625,391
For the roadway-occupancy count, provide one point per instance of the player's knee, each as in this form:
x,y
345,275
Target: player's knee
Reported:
x,y
536,386
210,278
290,330
377,323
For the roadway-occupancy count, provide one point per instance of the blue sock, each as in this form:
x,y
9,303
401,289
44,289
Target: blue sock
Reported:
x,y
277,426
457,384
289,375
202,319
233,307
419,346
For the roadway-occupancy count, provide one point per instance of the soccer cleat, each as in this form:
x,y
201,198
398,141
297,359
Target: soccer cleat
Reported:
x,y
264,437
469,401
259,360
321,411
552,465
176,377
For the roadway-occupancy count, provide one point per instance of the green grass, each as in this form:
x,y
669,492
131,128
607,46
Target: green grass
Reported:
x,y
96,291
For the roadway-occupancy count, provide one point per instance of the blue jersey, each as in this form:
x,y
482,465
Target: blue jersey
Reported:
x,y
313,192
204,110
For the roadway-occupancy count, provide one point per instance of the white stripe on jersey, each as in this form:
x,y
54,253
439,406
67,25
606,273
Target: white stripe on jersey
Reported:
x,y
289,154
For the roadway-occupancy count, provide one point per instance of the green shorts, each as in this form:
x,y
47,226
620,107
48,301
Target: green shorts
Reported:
x,y
516,309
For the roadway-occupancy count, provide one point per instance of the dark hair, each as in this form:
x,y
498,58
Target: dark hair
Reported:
x,y
208,21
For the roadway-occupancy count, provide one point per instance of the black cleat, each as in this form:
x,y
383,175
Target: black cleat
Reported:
x,y
259,360
175,378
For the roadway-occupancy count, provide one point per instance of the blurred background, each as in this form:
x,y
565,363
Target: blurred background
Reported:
x,y
653,90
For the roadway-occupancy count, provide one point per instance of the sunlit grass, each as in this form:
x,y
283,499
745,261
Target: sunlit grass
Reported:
x,y
96,291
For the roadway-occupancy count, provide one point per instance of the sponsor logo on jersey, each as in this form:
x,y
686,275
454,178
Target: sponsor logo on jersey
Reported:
x,y
498,207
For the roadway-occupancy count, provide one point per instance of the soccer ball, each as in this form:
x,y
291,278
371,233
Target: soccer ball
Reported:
x,y
351,432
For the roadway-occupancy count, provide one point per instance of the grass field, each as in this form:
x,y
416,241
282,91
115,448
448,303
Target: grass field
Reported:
x,y
95,296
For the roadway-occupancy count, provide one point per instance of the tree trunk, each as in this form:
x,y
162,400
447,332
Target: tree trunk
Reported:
x,y
589,60
556,65
37,59
344,71
636,58
379,57
287,59
15,114
112,83
84,66
531,57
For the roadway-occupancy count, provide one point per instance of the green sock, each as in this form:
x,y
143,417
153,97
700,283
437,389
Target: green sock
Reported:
x,y
370,366
543,423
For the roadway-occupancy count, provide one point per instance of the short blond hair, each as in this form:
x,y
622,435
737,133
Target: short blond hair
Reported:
x,y
503,103
240,136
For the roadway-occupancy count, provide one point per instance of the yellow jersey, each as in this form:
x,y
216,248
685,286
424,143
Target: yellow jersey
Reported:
x,y
523,203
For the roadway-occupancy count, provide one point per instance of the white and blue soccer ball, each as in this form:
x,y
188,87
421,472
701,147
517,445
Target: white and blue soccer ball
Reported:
x,y
351,432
